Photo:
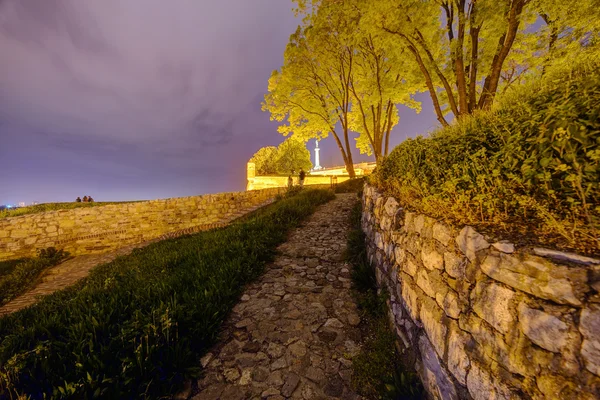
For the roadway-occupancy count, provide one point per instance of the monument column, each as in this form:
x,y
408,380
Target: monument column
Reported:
x,y
317,165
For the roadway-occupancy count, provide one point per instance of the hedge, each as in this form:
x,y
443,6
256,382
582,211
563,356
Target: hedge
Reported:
x,y
528,168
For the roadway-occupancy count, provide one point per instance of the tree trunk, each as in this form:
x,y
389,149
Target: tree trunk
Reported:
x,y
504,45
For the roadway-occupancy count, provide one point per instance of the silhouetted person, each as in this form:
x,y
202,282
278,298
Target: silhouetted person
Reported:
x,y
85,199
302,175
78,200
90,200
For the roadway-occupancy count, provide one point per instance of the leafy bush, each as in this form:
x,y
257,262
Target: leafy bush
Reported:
x,y
22,275
15,212
138,325
531,165
379,371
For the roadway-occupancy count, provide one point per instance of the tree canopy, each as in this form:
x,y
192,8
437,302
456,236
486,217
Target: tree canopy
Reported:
x,y
291,154
352,62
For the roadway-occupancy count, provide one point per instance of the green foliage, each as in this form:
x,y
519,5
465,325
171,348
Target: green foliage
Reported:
x,y
379,372
350,186
39,208
264,160
462,52
17,276
291,154
139,324
531,165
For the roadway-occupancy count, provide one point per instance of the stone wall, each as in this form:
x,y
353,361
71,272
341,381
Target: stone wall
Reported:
x,y
486,319
98,229
273,181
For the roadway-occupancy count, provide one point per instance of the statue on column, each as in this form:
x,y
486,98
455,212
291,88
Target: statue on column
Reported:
x,y
317,166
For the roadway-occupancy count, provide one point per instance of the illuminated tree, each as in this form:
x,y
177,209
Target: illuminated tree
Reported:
x,y
292,154
264,160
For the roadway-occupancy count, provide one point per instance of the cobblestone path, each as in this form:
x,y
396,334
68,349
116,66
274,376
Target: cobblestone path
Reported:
x,y
295,329
72,270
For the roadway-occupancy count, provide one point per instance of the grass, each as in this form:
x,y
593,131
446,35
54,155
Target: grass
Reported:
x,y
379,370
18,276
527,169
136,327
350,186
39,208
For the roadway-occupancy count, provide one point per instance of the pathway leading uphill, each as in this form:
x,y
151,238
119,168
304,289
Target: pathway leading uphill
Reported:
x,y
295,329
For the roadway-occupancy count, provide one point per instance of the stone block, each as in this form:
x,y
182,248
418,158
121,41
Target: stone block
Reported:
x,y
545,330
490,344
431,258
451,304
460,345
495,304
399,255
435,378
419,223
379,241
425,284
470,242
538,276
504,247
410,266
391,207
442,233
557,387
564,256
589,326
410,295
483,386
434,323
455,265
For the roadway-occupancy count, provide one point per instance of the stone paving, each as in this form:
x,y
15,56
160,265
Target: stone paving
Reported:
x,y
296,329
73,269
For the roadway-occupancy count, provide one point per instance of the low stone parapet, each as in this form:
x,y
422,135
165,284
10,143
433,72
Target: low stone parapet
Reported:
x,y
486,319
103,228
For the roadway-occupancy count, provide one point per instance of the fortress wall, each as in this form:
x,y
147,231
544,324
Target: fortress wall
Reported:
x,y
486,320
98,229
273,181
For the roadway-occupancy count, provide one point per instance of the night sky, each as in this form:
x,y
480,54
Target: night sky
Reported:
x,y
142,99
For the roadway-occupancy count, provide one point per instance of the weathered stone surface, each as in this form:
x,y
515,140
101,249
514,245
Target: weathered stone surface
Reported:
x,y
391,207
459,344
495,304
469,241
442,233
537,276
564,256
504,247
282,341
290,384
434,377
432,318
589,326
410,267
98,229
450,304
411,297
482,386
543,329
490,334
455,265
431,258
425,284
